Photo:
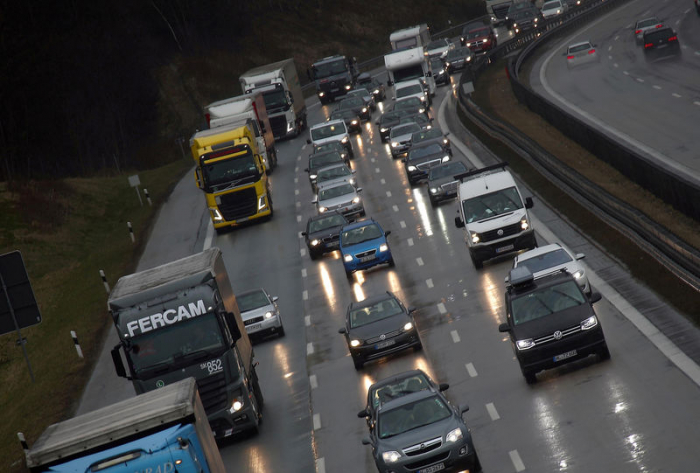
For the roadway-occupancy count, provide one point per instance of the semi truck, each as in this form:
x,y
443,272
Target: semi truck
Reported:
x,y
409,64
334,76
279,84
181,320
242,109
408,38
163,431
232,175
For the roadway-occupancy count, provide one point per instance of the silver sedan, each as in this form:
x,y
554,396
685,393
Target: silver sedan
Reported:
x,y
581,53
549,258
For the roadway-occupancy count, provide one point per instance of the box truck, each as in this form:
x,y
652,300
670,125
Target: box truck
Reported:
x,y
409,64
334,76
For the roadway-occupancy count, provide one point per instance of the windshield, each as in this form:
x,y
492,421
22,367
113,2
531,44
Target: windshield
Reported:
x,y
252,300
440,43
369,314
324,159
358,93
410,90
412,416
473,34
328,69
436,65
335,191
343,114
328,131
361,234
546,260
490,205
426,135
448,170
458,53
423,151
545,301
418,119
388,392
408,73
330,146
351,103
406,43
326,222
275,99
332,173
219,175
407,129
522,15
177,345
408,103
551,5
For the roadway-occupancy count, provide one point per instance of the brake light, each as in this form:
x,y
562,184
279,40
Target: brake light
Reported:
x,y
570,57
208,117
648,45
673,38
637,31
659,25
592,51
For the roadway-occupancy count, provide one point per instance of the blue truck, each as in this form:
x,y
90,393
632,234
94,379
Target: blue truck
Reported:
x,y
161,431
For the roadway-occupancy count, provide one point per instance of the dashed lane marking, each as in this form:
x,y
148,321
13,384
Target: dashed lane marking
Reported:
x,y
382,181
303,272
317,421
676,95
298,218
296,191
441,308
313,381
402,224
410,242
395,207
302,252
455,336
517,461
305,295
471,370
492,411
388,193
429,283
296,180
377,170
657,87
321,465
307,320
419,260
641,81
309,348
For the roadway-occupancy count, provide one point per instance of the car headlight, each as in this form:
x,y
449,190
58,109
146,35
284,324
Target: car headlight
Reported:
x,y
315,242
407,327
356,200
589,323
475,237
433,190
469,44
355,343
347,258
347,86
411,168
469,58
345,140
383,247
515,25
391,457
322,209
524,224
215,214
445,158
486,40
383,130
454,435
578,274
236,405
351,181
364,109
262,203
394,144
558,12
525,344
445,141
321,94
421,110
422,98
375,91
536,20
354,122
269,314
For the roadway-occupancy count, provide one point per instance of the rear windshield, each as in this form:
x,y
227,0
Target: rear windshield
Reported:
x,y
410,90
451,169
326,222
335,191
546,260
656,35
579,48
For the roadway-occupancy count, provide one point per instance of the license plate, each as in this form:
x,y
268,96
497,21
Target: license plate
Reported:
x,y
432,468
450,192
253,327
364,259
384,344
334,90
566,355
504,248
333,244
662,46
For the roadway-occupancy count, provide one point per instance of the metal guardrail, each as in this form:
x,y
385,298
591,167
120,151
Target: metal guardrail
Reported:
x,y
682,259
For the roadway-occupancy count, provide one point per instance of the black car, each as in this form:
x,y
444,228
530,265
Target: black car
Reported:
x,y
394,387
322,233
378,326
421,158
431,135
458,58
523,16
351,119
388,120
550,321
357,105
661,42
376,88
412,104
442,184
321,160
440,73
422,432
418,118
333,146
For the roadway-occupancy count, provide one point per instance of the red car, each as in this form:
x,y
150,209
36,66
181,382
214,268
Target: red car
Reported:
x,y
479,39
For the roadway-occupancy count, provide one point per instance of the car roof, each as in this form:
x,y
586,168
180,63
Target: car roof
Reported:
x,y
547,279
582,43
540,250
408,399
397,378
327,214
371,300
251,291
330,122
360,223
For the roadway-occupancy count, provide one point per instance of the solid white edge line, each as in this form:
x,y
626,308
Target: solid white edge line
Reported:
x,y
321,465
209,237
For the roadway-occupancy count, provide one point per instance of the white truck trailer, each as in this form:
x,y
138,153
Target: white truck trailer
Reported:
x,y
413,37
409,64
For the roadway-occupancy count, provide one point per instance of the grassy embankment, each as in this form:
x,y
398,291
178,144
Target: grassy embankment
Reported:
x,y
67,231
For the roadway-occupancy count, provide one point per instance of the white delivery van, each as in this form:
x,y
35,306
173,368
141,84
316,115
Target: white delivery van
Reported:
x,y
493,214
333,130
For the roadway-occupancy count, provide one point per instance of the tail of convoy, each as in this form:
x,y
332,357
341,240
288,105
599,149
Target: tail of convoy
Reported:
x,y
409,64
232,175
162,431
333,76
408,38
241,110
181,320
279,84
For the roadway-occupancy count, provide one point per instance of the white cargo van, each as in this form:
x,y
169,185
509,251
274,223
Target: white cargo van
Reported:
x,y
493,215
333,130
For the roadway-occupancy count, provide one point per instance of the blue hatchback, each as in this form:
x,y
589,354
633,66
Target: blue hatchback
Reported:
x,y
363,245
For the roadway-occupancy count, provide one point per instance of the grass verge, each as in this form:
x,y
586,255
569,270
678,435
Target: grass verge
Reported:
x,y
67,231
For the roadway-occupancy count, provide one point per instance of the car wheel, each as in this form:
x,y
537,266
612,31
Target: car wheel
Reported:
x,y
604,352
477,464
358,363
418,347
391,262
530,377
478,264
313,255
433,202
280,331
348,274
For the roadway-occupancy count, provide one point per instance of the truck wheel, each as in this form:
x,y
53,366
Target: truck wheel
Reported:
x,y
604,353
256,428
358,363
478,264
259,399
530,377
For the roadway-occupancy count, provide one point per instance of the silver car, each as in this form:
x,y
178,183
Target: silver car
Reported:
x,y
400,138
260,313
334,174
343,197
581,53
645,25
554,257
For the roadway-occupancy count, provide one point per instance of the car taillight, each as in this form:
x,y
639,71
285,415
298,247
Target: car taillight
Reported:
x,y
570,57
648,45
592,51
659,25
673,38
637,31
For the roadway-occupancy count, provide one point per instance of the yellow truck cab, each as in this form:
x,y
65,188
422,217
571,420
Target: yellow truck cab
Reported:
x,y
231,173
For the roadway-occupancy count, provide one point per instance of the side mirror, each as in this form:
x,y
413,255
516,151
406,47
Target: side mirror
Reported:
x,y
363,413
463,408
529,203
118,363
233,326
275,298
366,441
579,256
595,297
315,201
459,223
308,141
504,328
444,387
303,233
342,331
353,171
387,233
411,309
197,177
306,169
359,189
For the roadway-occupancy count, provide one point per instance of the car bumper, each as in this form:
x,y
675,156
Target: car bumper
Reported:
x,y
416,176
272,324
523,241
224,424
444,459
356,264
324,247
399,150
441,195
400,342
545,356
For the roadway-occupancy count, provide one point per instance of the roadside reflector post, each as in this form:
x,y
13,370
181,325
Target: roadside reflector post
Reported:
x,y
104,280
77,345
148,197
23,442
131,232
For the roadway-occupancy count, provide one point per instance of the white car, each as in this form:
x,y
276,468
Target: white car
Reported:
x,y
333,130
343,197
581,53
411,88
333,174
554,8
259,312
438,48
554,257
400,138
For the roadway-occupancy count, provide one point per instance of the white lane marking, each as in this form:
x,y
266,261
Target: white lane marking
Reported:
x,y
377,170
640,80
382,181
610,48
388,193
317,421
309,348
402,224
321,465
626,73
298,204
517,461
298,218
296,191
296,169
303,272
657,87
296,180
395,207
615,65
441,308
429,283
372,160
455,336
616,37
305,295
302,252
307,320
610,57
303,146
419,260
492,411
696,103
210,236
300,235
678,22
676,95
313,381
410,240
299,158
471,370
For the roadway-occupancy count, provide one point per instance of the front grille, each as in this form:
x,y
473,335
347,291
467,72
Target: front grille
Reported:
x,y
212,390
388,335
564,333
340,206
428,461
450,186
254,320
278,125
365,253
506,231
423,447
330,238
428,164
335,84
236,205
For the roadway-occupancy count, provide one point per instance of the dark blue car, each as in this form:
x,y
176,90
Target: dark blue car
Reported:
x,y
363,245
